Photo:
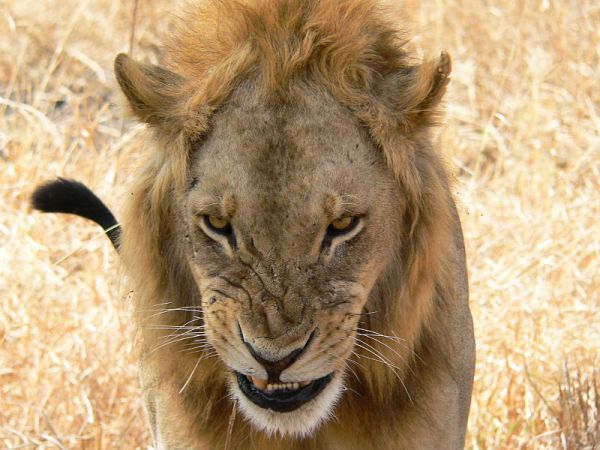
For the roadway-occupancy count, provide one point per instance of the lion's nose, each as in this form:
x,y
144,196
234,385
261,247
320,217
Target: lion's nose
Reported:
x,y
274,368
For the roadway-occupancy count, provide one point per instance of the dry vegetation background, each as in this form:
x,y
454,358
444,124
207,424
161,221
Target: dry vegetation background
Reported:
x,y
523,134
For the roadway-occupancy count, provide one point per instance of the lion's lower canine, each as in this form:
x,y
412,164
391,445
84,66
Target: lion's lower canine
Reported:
x,y
293,241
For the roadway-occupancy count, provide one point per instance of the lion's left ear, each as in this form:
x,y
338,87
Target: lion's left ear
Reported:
x,y
153,93
416,91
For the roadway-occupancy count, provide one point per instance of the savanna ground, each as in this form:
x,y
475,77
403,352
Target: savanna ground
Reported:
x,y
522,134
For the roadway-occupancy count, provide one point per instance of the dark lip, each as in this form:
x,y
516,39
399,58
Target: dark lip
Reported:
x,y
284,400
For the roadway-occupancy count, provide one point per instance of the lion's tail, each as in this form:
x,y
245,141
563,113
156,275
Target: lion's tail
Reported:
x,y
72,197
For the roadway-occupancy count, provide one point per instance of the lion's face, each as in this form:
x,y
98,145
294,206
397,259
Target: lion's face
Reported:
x,y
289,215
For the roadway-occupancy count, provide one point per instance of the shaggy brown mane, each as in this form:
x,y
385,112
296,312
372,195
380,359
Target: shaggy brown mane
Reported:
x,y
354,50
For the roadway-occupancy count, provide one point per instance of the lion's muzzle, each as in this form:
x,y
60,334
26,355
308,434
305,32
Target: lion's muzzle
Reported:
x,y
274,394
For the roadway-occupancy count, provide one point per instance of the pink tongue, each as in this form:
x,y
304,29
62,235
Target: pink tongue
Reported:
x,y
259,383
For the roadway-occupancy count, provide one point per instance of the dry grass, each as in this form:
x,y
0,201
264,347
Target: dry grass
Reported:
x,y
523,132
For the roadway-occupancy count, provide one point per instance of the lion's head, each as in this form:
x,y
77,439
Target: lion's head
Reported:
x,y
289,235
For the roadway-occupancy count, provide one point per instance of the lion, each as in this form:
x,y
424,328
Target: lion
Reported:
x,y
292,239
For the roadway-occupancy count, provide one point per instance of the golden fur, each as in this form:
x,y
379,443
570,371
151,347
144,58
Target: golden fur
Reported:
x,y
347,59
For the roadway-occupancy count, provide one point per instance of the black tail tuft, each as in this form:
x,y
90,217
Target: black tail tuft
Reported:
x,y
72,197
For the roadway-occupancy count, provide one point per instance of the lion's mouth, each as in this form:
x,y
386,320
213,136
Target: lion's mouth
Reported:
x,y
281,397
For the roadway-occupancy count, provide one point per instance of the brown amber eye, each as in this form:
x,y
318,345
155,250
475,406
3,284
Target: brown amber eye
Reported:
x,y
340,228
342,224
217,223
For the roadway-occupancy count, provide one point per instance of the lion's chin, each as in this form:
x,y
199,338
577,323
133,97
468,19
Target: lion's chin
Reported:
x,y
300,421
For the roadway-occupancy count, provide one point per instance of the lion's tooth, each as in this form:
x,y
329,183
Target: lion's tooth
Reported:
x,y
259,383
270,387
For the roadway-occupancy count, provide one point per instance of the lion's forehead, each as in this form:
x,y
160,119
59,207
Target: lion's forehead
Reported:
x,y
288,158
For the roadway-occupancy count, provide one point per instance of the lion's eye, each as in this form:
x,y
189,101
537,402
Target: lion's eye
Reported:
x,y
219,229
342,226
218,224
340,230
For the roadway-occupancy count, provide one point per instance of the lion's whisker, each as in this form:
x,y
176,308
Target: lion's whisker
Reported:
x,y
190,377
185,334
381,358
194,339
174,338
402,357
192,320
163,311
353,361
196,346
204,356
347,365
394,371
366,346
347,388
176,327
375,333
376,339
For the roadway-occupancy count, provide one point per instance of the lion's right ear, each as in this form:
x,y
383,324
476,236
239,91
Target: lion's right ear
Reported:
x,y
152,92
